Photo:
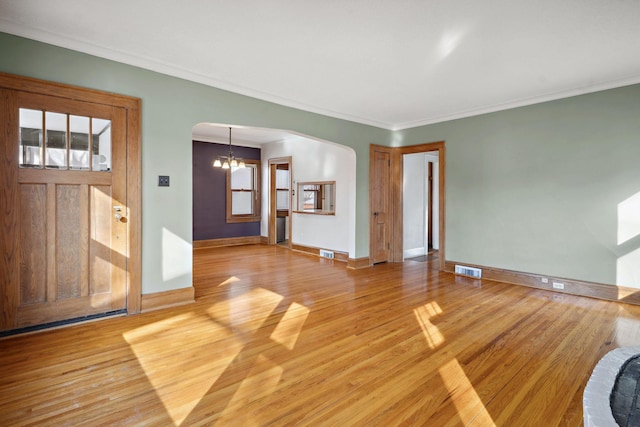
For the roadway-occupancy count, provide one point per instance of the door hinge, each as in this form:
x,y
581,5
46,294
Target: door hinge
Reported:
x,y
389,163
388,246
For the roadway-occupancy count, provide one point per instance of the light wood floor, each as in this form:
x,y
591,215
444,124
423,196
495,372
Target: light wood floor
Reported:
x,y
280,338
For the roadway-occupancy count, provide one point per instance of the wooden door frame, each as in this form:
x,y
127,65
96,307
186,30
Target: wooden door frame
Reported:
x,y
396,196
132,107
271,228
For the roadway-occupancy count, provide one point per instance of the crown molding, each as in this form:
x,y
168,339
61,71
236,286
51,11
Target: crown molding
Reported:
x,y
151,64
552,96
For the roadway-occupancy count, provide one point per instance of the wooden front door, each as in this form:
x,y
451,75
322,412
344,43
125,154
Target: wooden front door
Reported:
x,y
380,246
64,181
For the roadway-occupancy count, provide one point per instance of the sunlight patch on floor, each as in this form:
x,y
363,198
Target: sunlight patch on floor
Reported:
x,y
155,328
424,314
229,281
289,328
467,402
262,380
181,382
182,366
246,312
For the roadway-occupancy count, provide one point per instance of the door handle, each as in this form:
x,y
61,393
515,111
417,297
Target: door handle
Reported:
x,y
118,215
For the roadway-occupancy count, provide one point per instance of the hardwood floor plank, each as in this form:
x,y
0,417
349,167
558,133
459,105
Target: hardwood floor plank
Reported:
x,y
281,338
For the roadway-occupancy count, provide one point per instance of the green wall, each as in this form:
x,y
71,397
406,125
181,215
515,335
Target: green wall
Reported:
x,y
537,188
533,189
170,108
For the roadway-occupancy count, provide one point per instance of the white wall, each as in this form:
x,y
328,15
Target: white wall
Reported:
x,y
314,160
415,214
413,209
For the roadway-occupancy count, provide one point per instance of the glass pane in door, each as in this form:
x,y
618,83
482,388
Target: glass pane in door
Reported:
x,y
30,138
56,140
79,145
101,144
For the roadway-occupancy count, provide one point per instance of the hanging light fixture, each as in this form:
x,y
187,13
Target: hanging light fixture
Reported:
x,y
229,160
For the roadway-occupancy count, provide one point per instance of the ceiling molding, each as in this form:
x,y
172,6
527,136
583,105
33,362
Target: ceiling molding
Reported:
x,y
519,103
172,70
19,29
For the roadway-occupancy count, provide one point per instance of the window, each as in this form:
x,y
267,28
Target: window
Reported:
x,y
282,189
312,197
243,192
317,197
62,141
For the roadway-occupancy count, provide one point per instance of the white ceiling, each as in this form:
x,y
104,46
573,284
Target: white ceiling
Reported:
x,y
389,63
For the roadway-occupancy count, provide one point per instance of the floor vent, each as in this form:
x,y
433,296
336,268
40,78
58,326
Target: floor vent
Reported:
x,y
326,254
469,271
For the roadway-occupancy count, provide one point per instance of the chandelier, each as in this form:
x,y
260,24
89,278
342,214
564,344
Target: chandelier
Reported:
x,y
229,160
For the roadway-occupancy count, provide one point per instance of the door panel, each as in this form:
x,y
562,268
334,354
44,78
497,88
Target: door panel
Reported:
x,y
380,188
71,250
381,253
71,266
33,250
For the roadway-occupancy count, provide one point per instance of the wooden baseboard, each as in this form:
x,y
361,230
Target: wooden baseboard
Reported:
x,y
571,286
166,299
356,263
228,241
338,256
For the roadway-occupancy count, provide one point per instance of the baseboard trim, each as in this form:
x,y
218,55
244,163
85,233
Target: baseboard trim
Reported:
x,y
357,263
571,286
228,241
167,299
338,255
